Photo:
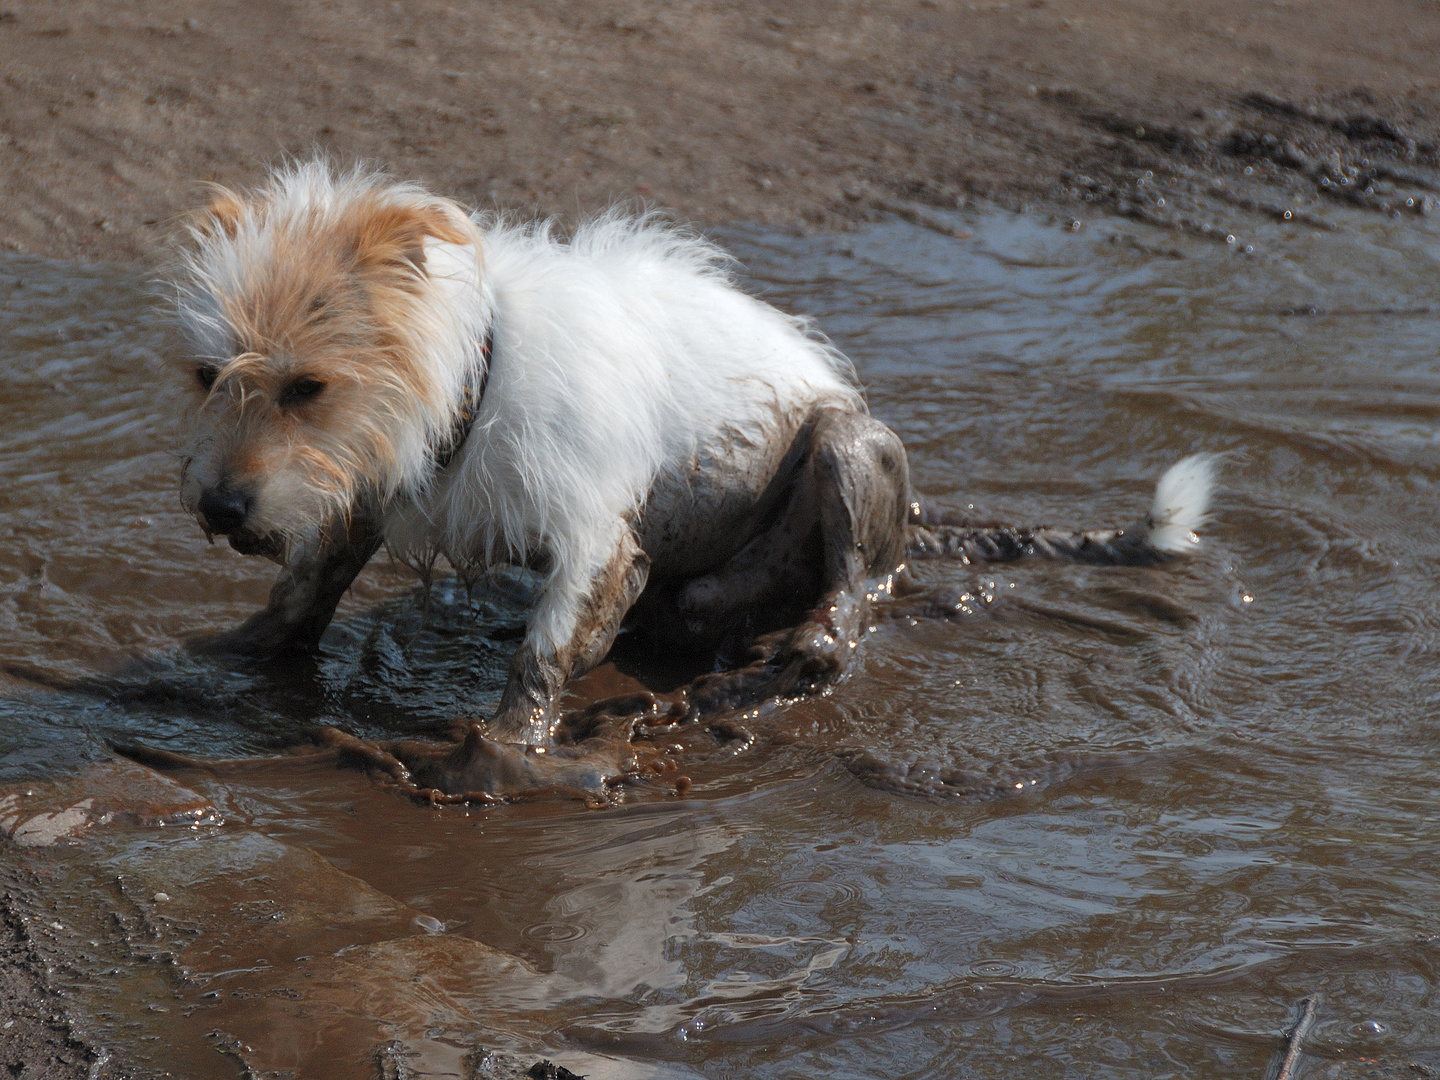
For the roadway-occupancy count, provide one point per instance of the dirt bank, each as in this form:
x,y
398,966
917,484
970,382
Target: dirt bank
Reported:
x,y
38,1036
806,113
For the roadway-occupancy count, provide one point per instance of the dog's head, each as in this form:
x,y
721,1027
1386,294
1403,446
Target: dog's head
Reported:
x,y
331,324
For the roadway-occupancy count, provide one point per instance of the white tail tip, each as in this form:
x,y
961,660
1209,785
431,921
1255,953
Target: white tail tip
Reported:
x,y
1182,498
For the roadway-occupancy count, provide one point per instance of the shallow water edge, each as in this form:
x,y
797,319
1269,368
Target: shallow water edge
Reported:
x,y
1108,822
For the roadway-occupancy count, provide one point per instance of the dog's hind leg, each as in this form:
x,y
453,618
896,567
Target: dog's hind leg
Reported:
x,y
1168,531
857,480
305,595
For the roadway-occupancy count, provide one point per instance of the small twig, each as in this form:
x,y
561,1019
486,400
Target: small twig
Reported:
x,y
919,215
1297,1036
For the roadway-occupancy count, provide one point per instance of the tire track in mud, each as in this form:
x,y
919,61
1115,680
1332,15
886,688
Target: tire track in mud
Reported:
x,y
1255,154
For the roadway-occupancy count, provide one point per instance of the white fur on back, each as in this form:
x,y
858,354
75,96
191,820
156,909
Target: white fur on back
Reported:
x,y
617,356
1181,505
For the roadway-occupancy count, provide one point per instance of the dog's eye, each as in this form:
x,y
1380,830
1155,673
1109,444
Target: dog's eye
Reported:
x,y
302,389
206,375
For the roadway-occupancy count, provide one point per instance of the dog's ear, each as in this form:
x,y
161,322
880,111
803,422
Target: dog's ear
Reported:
x,y
392,236
223,215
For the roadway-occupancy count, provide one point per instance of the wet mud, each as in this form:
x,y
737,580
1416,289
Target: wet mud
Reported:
x,y
1258,153
1057,817
827,114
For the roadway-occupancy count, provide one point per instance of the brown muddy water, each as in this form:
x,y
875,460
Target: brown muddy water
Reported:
x,y
1112,822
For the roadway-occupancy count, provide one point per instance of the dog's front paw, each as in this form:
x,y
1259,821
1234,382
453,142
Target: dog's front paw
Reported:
x,y
482,769
263,636
238,642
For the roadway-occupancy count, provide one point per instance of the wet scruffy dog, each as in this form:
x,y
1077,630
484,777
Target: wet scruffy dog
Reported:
x,y
367,364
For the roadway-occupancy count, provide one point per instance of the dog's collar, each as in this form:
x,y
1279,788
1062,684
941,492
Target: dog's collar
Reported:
x,y
471,397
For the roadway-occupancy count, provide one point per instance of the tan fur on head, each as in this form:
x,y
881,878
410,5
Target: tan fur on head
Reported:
x,y
327,358
223,214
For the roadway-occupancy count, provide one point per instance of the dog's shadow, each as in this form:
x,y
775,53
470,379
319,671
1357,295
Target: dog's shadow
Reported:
x,y
406,667
414,666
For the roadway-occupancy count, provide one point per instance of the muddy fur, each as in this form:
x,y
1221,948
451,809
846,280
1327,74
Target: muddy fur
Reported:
x,y
666,450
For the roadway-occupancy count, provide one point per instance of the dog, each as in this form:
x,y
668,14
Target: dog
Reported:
x,y
368,364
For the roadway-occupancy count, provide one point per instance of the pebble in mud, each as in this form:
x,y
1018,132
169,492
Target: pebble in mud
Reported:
x,y
162,898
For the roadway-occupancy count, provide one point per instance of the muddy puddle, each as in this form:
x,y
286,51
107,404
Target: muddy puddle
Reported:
x,y
1112,822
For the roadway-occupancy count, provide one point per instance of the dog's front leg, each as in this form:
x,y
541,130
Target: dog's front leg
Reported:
x,y
305,595
572,629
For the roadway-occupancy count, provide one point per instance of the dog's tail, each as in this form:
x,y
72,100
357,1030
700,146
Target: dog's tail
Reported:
x,y
1169,531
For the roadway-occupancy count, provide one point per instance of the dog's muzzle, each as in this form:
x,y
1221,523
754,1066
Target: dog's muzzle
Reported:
x,y
224,511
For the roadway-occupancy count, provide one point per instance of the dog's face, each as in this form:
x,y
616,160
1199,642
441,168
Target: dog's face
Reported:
x,y
316,324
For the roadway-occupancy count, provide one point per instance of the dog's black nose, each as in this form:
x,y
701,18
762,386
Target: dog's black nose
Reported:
x,y
224,509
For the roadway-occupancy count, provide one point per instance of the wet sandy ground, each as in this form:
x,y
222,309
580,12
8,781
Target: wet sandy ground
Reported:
x,y
1108,821
806,113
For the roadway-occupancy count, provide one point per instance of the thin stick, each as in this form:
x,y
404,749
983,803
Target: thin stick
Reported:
x,y
919,215
1296,1036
